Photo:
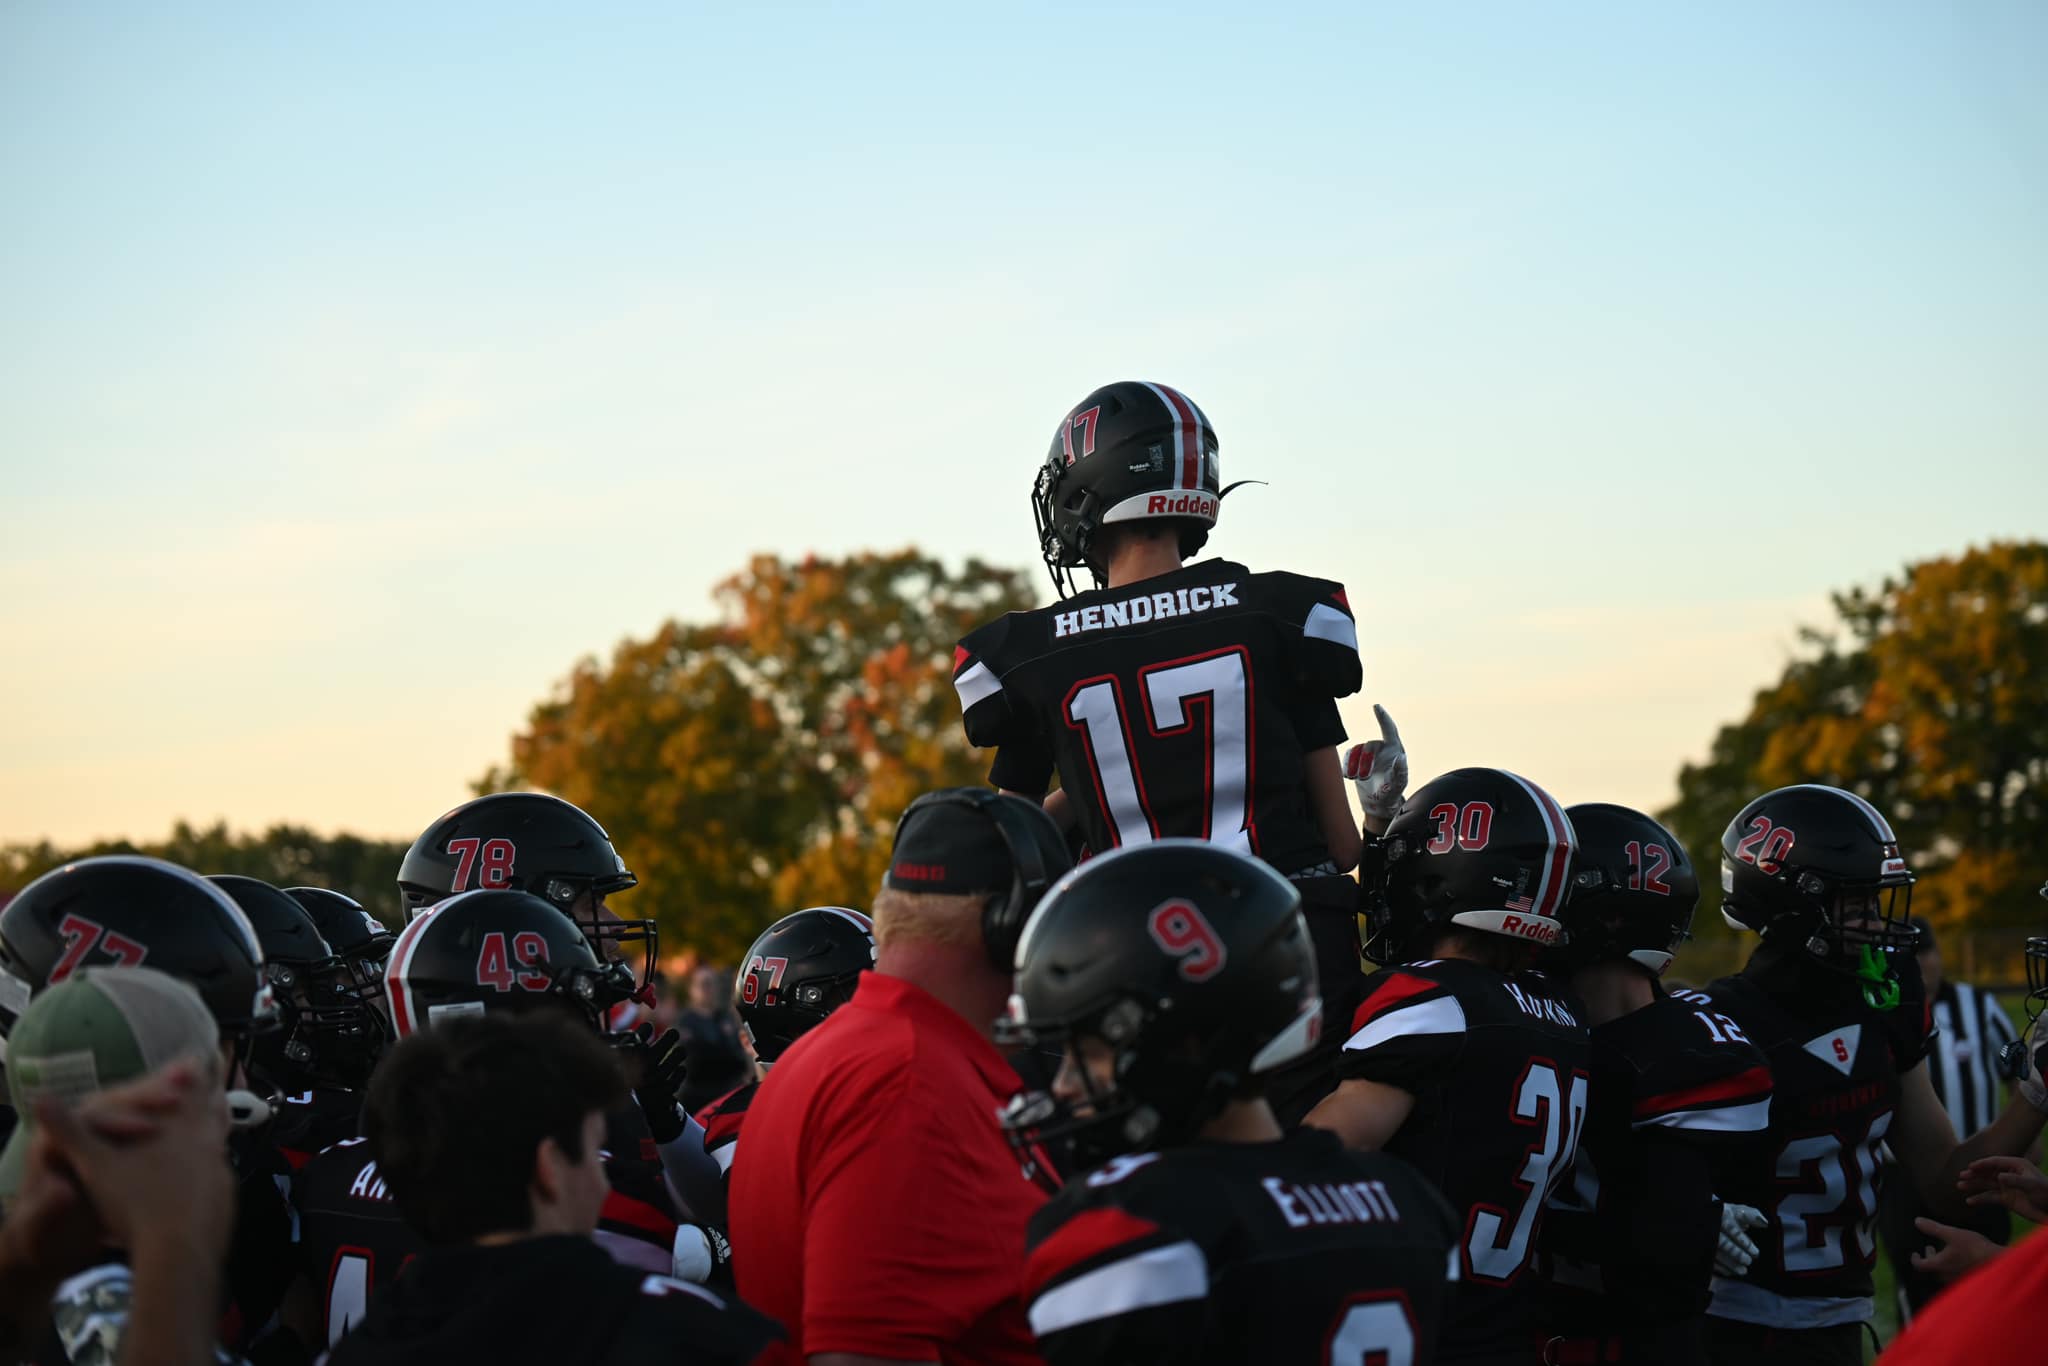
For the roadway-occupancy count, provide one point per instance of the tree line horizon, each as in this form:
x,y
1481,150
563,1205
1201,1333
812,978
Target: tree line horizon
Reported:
x,y
754,763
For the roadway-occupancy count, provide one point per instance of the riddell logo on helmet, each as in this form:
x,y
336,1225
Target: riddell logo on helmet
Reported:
x,y
1181,505
1536,928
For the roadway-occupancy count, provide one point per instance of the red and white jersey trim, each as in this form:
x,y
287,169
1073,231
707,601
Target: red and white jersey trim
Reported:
x,y
1750,1118
1442,1015
975,684
1327,623
1160,1275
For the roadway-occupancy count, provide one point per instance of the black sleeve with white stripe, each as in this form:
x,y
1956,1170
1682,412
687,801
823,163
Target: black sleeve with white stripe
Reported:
x,y
1322,650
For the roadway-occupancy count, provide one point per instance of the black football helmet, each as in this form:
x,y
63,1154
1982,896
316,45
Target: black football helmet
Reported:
x,y
1477,847
1632,894
496,950
328,1033
1819,867
345,923
529,842
1129,452
1192,964
128,909
801,969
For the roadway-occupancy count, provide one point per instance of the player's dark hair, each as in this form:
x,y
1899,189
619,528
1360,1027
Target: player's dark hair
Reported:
x,y
1496,951
1112,538
455,1114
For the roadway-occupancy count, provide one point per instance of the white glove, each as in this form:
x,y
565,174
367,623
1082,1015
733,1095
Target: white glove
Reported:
x,y
1379,768
1736,1249
698,1251
2031,1088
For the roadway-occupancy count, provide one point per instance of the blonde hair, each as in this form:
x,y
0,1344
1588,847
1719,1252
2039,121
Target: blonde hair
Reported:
x,y
930,917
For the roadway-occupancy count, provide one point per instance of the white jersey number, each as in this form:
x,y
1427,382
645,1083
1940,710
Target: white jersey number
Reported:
x,y
1372,1333
1497,1241
1813,1221
1217,684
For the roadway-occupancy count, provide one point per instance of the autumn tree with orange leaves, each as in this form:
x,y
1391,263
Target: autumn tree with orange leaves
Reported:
x,y
1929,697
756,764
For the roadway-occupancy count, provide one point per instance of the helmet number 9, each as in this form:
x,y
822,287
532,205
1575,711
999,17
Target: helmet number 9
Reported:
x,y
495,856
1468,827
1179,929
750,989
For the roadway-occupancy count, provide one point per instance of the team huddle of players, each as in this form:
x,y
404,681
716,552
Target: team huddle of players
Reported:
x,y
1508,1144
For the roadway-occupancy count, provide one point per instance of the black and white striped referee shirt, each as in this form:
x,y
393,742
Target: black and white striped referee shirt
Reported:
x,y
1970,1028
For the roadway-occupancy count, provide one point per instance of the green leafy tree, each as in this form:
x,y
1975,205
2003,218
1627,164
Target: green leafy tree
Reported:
x,y
1929,697
754,764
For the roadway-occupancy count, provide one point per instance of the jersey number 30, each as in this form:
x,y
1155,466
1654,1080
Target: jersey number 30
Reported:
x,y
1496,1238
1219,683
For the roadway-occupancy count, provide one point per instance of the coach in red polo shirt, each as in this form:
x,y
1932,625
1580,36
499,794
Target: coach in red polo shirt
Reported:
x,y
877,1209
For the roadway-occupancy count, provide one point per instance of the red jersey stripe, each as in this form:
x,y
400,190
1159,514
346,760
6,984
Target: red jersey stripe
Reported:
x,y
1088,1234
624,1209
1750,1085
1396,990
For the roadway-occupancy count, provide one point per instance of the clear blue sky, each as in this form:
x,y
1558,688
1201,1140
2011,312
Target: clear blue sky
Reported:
x,y
362,366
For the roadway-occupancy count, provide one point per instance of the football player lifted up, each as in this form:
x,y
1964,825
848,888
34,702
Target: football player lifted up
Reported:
x,y
1462,1058
1172,699
1171,975
1832,995
1635,1234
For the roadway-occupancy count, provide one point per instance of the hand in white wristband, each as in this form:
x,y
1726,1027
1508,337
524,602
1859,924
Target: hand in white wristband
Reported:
x,y
1379,769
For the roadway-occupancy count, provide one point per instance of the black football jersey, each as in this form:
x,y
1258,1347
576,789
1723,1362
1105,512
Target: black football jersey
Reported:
x,y
352,1239
640,1216
1815,1171
1632,1234
1499,1067
548,1301
1292,1251
1182,705
305,1123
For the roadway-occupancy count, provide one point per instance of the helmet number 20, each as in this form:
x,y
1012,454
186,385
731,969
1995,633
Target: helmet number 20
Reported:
x,y
1765,845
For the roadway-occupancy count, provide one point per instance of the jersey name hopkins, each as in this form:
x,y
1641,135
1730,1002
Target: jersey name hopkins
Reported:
x,y
1182,602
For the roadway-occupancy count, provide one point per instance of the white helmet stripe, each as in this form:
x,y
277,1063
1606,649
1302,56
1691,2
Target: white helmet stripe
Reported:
x,y
1187,435
405,1012
1557,860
